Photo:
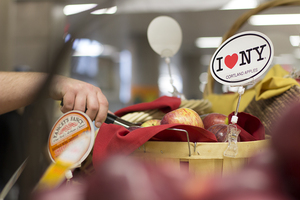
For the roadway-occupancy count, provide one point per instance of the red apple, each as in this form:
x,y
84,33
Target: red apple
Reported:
x,y
151,122
214,118
185,116
220,131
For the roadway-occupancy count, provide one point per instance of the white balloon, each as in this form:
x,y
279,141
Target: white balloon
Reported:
x,y
164,36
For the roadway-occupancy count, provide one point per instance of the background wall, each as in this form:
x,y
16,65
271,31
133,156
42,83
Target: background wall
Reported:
x,y
6,21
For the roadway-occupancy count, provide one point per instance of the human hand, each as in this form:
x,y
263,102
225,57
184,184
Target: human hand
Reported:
x,y
82,96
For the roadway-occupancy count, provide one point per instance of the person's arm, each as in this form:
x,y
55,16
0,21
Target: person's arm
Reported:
x,y
19,89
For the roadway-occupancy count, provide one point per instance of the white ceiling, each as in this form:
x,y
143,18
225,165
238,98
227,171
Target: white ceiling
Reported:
x,y
167,6
197,18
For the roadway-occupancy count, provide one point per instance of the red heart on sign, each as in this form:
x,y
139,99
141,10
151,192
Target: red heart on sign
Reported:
x,y
230,61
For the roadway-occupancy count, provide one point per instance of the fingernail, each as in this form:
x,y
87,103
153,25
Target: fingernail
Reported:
x,y
98,124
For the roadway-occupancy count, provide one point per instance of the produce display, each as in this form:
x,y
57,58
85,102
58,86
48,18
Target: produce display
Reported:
x,y
163,139
271,174
215,123
176,126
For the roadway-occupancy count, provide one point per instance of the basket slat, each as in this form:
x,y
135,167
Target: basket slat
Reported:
x,y
206,167
206,158
233,164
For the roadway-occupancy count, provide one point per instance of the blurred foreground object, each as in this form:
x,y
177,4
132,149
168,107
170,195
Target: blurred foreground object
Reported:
x,y
66,162
272,174
127,179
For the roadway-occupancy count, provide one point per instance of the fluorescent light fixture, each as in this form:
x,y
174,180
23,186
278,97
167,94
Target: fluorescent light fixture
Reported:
x,y
208,42
240,4
275,19
295,40
111,10
77,8
87,47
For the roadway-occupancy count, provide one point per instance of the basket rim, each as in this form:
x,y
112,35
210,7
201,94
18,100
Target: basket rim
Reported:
x,y
200,150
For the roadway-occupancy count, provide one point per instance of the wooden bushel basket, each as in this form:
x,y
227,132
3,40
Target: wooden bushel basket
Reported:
x,y
202,158
206,158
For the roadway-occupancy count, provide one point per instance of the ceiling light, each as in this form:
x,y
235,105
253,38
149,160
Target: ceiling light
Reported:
x,y
111,10
77,8
208,42
99,12
295,40
275,19
240,4
87,47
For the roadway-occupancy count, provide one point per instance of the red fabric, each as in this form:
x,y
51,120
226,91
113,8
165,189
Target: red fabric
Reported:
x,y
164,103
114,139
251,127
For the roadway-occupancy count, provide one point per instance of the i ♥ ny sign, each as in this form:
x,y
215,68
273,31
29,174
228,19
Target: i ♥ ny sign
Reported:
x,y
242,58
